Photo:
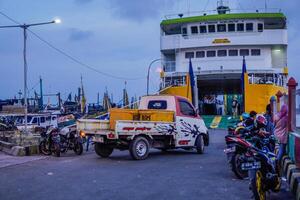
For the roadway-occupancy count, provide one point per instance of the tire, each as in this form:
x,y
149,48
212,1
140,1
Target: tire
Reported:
x,y
200,144
103,150
256,185
43,148
139,148
236,166
57,150
78,148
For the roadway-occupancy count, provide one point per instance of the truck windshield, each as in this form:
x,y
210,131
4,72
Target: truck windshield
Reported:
x,y
157,104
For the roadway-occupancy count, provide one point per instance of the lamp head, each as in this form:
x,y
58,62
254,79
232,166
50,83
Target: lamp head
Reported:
x,y
57,21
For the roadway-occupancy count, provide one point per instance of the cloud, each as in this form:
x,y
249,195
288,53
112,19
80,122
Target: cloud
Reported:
x,y
139,10
76,34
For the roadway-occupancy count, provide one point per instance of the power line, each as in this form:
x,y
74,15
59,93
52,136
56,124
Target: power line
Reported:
x,y
69,56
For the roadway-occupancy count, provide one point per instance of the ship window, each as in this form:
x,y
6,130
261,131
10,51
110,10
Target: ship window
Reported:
x,y
240,27
249,27
211,54
211,28
221,27
194,29
200,54
222,53
255,52
34,121
203,29
231,27
189,54
233,52
260,27
244,52
184,31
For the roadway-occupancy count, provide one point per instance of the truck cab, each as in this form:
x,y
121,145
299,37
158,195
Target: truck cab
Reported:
x,y
161,121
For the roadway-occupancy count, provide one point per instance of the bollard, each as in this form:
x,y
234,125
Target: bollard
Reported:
x,y
292,84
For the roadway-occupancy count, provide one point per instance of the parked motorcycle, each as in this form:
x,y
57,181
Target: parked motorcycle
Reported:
x,y
50,142
236,149
263,174
70,140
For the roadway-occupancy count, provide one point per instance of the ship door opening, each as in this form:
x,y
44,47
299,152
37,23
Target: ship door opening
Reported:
x,y
217,96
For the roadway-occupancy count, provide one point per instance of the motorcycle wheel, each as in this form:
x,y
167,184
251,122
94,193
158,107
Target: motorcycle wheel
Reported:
x,y
257,186
43,148
237,167
57,150
78,149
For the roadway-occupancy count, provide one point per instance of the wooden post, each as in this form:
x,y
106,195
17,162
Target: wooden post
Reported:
x,y
292,84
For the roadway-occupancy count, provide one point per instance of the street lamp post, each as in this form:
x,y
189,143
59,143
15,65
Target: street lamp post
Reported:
x,y
148,74
25,27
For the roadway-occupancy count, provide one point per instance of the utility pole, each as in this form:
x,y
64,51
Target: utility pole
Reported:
x,y
25,27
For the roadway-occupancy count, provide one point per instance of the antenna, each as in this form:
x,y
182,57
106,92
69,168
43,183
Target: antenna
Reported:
x,y
189,6
266,5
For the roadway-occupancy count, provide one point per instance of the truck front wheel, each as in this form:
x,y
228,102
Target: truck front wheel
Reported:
x,y
139,148
103,150
200,144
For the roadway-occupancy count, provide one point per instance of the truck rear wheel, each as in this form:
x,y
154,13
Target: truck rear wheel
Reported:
x,y
200,144
103,150
139,148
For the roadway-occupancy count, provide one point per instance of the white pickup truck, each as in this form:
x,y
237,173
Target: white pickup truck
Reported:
x,y
162,121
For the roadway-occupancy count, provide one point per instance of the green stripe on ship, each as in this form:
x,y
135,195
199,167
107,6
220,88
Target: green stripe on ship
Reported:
x,y
223,17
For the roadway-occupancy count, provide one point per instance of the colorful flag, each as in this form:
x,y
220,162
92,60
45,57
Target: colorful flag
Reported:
x,y
244,72
192,80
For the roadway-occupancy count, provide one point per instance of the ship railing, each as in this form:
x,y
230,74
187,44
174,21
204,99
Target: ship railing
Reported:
x,y
169,66
272,79
211,12
174,83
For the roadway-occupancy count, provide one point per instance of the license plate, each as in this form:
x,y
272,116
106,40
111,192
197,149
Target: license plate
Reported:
x,y
98,139
251,165
229,150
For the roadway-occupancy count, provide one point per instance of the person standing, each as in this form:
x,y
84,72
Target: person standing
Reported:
x,y
281,130
268,116
234,106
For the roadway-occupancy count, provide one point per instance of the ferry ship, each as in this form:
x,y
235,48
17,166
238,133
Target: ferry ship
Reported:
x,y
216,44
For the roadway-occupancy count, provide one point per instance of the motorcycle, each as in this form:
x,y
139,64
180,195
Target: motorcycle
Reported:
x,y
50,142
70,140
235,152
236,149
263,174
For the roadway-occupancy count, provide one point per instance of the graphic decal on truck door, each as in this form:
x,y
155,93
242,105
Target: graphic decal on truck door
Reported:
x,y
189,129
166,129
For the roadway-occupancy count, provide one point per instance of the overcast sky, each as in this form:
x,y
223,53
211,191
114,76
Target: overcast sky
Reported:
x,y
117,37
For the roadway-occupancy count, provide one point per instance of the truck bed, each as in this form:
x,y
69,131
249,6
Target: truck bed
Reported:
x,y
92,126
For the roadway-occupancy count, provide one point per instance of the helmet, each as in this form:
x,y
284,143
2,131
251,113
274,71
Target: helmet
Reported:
x,y
245,116
261,121
253,114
